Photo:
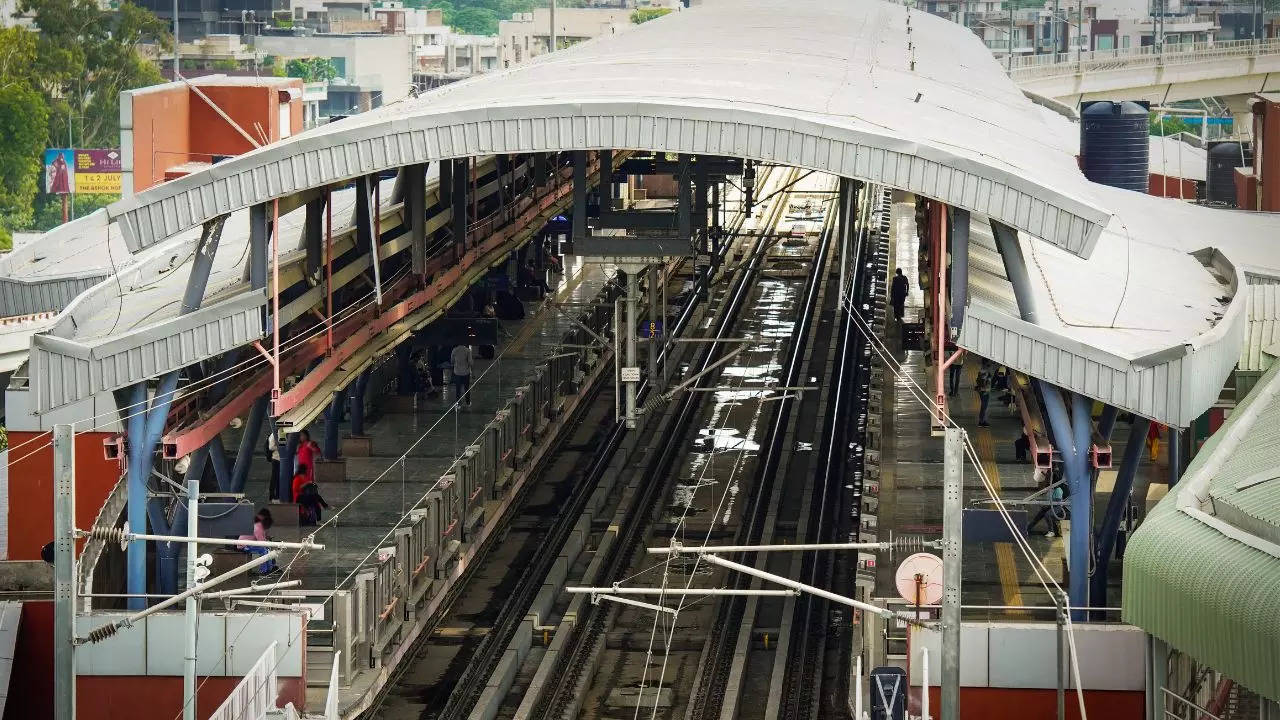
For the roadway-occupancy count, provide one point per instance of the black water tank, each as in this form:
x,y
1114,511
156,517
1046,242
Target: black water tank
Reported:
x,y
1224,158
1114,148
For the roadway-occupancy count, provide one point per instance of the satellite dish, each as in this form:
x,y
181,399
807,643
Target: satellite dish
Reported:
x,y
929,569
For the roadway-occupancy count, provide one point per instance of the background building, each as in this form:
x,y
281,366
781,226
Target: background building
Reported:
x,y
528,35
373,69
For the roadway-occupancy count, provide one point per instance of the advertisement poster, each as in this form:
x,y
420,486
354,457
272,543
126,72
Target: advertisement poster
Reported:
x,y
97,171
58,171
69,171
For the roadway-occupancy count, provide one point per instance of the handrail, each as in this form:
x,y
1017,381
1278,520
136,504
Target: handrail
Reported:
x,y
1068,63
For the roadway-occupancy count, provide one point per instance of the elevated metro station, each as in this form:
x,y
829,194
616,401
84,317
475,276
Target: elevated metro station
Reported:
x,y
579,323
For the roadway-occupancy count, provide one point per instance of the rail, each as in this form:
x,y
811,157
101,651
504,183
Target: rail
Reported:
x,y
1067,64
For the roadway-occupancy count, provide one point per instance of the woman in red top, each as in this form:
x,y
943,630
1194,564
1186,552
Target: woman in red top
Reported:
x,y
308,451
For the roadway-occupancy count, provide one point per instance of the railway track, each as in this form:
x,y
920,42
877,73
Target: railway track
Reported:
x,y
480,635
570,680
814,669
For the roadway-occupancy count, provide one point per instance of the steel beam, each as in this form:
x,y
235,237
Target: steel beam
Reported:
x,y
415,212
248,443
313,234
332,418
1074,449
959,268
579,196
288,450
1015,268
1105,542
458,200
259,236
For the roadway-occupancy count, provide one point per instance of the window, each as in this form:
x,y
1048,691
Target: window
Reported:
x,y
1124,41
1106,42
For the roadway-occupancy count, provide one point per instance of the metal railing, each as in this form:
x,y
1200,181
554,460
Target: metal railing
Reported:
x,y
1070,62
255,694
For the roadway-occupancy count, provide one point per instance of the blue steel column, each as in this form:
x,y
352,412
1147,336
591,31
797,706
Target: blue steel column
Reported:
x,y
1066,437
332,417
1175,455
287,452
357,404
139,468
248,443
1104,544
218,457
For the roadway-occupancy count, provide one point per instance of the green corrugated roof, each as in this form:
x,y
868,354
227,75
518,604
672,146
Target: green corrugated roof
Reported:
x,y
1205,594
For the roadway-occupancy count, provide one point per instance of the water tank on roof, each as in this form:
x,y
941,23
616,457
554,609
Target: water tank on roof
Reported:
x,y
1114,148
1224,158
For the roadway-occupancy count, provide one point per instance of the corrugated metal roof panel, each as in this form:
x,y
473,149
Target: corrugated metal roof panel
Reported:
x,y
1262,339
65,371
1203,592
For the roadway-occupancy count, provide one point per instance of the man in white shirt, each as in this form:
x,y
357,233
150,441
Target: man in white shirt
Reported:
x,y
462,360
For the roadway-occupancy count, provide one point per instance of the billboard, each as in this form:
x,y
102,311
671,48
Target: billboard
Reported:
x,y
98,171
58,172
68,170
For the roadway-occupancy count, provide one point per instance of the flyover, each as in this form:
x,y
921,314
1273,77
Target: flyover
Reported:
x,y
1098,293
1172,73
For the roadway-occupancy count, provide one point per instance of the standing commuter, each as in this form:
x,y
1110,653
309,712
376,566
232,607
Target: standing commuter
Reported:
x,y
462,360
898,294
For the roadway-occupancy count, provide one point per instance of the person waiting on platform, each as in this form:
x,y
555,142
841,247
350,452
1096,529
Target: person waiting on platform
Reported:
x,y
463,361
308,451
530,277
1052,512
1021,447
898,294
422,368
261,524
983,388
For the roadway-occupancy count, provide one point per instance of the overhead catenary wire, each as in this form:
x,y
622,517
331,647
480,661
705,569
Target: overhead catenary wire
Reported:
x,y
923,398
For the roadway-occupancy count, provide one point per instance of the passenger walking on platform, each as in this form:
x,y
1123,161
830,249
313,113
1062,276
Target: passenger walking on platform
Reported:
x,y
309,505
983,388
1153,440
1021,447
531,277
462,360
1050,512
898,294
301,476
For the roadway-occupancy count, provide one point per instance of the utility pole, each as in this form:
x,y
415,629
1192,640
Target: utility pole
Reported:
x,y
952,546
631,372
1079,31
193,605
1010,58
551,38
1056,33
176,52
64,573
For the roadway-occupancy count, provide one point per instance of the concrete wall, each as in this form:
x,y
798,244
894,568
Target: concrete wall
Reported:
x,y
167,125
381,63
30,506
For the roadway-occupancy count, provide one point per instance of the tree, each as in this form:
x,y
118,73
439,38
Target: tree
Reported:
x,y
644,15
1164,125
24,121
85,57
313,69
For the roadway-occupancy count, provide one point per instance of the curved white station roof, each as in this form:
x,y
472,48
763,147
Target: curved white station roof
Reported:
x,y
864,89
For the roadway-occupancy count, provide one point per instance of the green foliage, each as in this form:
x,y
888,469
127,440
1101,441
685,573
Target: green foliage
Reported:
x,y
1166,126
86,56
24,119
644,15
48,209
313,69
481,17
226,65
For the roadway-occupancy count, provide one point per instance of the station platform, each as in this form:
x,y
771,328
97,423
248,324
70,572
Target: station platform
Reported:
x,y
995,575
380,488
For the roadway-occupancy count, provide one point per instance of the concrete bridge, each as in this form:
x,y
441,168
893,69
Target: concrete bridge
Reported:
x,y
1185,71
